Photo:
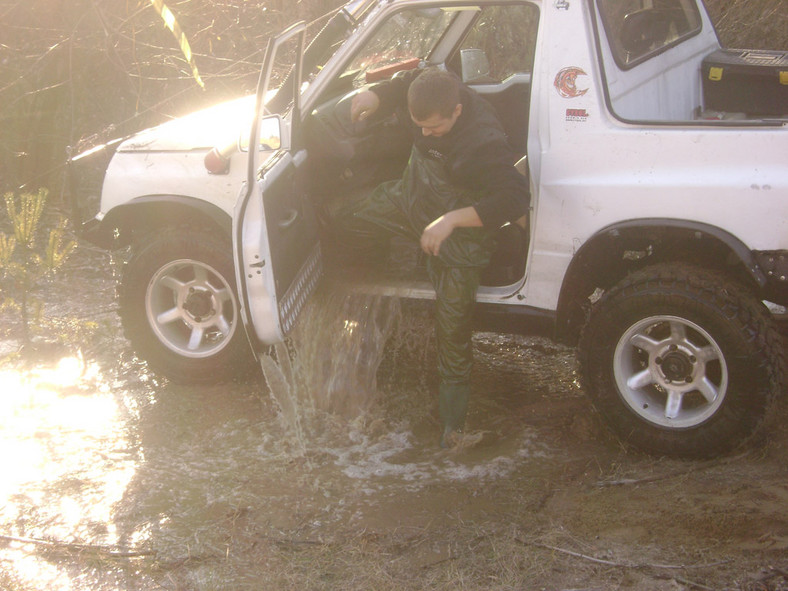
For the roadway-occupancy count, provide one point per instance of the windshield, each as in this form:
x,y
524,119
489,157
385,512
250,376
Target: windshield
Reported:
x,y
408,35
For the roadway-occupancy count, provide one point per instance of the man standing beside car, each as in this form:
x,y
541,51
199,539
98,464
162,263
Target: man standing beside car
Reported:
x,y
459,186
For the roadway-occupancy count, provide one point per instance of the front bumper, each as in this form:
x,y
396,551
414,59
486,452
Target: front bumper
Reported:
x,y
85,180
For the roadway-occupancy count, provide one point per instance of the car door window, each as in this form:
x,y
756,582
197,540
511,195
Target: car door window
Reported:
x,y
507,37
503,41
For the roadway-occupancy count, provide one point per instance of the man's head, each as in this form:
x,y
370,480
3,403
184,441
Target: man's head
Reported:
x,y
434,101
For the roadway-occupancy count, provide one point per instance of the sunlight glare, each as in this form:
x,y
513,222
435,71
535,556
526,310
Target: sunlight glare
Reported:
x,y
64,460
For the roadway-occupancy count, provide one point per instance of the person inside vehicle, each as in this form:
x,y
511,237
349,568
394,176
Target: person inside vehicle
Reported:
x,y
459,186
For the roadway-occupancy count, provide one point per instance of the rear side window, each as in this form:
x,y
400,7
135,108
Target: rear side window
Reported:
x,y
639,29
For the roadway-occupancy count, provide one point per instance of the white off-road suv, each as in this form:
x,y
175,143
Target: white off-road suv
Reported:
x,y
659,211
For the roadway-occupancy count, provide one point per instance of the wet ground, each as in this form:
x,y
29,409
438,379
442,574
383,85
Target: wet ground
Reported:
x,y
114,478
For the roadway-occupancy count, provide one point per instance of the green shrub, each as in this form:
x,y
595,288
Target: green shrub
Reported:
x,y
25,259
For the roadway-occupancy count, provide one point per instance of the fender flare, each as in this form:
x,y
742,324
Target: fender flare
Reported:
x,y
117,228
602,259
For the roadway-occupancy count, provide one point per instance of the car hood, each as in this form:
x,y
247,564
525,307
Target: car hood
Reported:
x,y
219,125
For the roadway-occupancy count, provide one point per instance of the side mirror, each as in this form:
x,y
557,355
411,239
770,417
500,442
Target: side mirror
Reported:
x,y
475,65
272,130
272,135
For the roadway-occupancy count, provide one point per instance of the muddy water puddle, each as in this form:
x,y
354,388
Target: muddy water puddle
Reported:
x,y
114,478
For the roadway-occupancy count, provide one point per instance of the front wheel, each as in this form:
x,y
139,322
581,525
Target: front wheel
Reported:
x,y
179,307
681,361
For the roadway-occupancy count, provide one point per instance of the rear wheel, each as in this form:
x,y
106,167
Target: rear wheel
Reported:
x,y
179,307
681,361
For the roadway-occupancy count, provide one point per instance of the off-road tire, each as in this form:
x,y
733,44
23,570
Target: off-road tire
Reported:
x,y
681,361
179,306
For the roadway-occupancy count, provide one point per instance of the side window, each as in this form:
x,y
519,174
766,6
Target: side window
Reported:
x,y
639,29
496,58
506,38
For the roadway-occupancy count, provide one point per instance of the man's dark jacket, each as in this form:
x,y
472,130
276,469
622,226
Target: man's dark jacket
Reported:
x,y
476,153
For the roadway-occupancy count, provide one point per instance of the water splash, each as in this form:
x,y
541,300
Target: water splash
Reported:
x,y
327,369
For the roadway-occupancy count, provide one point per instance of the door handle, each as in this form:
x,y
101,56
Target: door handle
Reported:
x,y
292,216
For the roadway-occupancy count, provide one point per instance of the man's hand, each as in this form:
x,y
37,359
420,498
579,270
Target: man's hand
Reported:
x,y
439,230
363,105
434,235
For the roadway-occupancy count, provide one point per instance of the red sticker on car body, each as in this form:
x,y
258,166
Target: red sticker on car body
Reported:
x,y
566,82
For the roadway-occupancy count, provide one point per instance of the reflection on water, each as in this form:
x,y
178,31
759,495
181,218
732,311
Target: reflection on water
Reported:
x,y
65,461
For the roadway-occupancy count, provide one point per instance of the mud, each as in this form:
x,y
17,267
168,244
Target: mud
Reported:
x,y
115,478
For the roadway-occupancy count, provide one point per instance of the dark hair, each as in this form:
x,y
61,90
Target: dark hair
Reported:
x,y
433,92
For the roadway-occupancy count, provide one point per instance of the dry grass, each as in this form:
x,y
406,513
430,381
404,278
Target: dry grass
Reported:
x,y
751,24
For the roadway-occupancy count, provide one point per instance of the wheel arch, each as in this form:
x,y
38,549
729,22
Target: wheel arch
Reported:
x,y
621,248
123,223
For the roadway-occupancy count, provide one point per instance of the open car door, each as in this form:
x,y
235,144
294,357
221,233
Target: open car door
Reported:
x,y
275,238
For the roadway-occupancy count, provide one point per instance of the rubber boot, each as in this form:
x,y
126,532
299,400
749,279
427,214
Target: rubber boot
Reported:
x,y
453,406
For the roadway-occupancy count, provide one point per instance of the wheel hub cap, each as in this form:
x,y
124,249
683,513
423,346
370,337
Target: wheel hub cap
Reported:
x,y
677,367
191,309
199,304
670,371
